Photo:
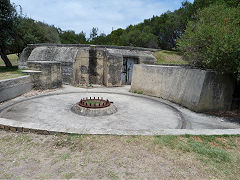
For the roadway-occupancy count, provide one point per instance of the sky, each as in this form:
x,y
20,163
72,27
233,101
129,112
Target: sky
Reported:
x,y
83,15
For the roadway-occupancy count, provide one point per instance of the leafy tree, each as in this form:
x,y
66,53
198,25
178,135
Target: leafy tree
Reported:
x,y
32,32
70,37
8,22
212,40
102,39
114,37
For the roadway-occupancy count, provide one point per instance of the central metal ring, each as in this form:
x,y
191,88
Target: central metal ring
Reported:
x,y
94,103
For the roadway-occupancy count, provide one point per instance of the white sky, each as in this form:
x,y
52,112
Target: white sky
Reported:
x,y
82,15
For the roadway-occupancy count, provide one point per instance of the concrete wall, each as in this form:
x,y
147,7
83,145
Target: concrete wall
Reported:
x,y
113,70
86,64
50,75
81,64
196,89
11,88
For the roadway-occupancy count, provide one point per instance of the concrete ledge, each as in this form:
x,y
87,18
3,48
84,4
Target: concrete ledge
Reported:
x,y
11,88
196,89
15,126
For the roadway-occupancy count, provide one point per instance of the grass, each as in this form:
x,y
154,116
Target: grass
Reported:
x,y
93,102
12,57
10,72
219,153
169,57
26,155
137,92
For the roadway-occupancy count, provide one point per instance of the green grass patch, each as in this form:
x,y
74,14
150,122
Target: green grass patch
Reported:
x,y
169,57
137,92
140,92
212,147
10,72
219,153
93,102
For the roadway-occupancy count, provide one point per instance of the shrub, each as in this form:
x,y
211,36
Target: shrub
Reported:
x,y
213,39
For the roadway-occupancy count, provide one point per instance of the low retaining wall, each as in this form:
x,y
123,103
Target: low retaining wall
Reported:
x,y
11,88
196,89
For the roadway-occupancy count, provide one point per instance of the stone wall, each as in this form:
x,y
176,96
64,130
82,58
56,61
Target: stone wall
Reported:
x,y
196,89
11,88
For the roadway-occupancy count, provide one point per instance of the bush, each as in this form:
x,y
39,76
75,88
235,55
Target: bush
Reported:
x,y
213,40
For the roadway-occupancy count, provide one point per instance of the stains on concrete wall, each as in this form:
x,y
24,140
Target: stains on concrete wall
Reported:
x,y
196,89
87,64
50,76
92,69
114,70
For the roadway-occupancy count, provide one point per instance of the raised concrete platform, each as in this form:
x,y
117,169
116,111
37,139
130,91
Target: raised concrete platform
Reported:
x,y
137,115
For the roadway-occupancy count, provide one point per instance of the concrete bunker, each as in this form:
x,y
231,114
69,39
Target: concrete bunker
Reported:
x,y
89,64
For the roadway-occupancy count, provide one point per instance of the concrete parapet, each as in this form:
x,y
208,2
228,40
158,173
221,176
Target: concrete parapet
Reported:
x,y
11,88
198,90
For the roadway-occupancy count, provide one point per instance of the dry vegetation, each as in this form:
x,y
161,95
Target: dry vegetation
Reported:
x,y
169,57
113,157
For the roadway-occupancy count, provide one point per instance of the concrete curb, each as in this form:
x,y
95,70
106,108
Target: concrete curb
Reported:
x,y
15,126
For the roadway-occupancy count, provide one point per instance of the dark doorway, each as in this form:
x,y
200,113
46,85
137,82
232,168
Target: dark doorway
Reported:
x,y
127,70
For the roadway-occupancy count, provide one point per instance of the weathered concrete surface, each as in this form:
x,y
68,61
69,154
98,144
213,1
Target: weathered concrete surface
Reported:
x,y
113,70
23,58
51,112
87,64
64,55
46,53
196,89
11,88
133,113
50,76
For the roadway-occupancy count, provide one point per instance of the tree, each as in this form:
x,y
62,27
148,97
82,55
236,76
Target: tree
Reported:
x,y
8,22
212,40
29,31
70,37
114,37
102,39
93,33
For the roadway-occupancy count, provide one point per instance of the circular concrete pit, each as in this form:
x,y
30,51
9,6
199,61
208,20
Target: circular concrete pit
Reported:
x,y
135,115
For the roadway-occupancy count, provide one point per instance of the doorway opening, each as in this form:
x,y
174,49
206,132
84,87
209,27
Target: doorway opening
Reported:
x,y
127,69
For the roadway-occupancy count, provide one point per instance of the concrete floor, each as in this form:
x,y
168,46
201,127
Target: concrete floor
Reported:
x,y
137,114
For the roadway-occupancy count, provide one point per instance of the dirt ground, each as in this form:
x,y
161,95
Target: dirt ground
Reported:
x,y
26,155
